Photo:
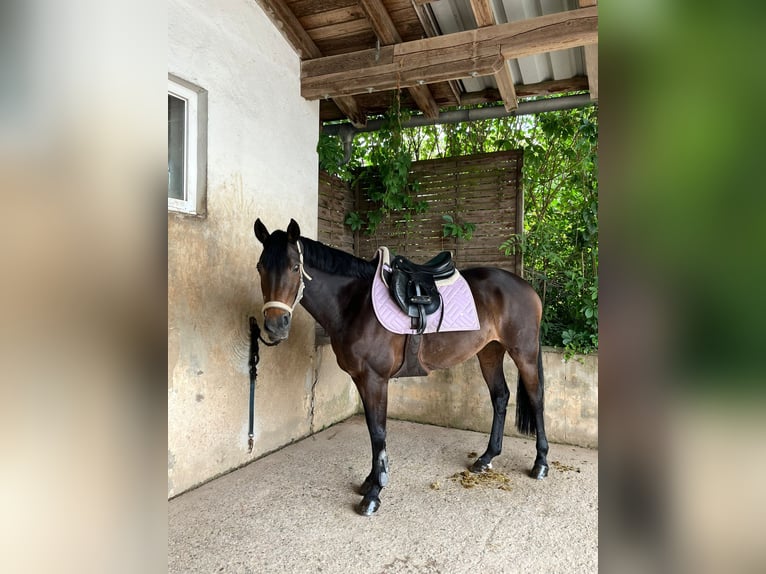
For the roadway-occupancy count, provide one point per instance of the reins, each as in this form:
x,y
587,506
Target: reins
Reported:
x,y
255,336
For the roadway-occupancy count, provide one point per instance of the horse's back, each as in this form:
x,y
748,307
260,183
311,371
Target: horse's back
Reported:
x,y
502,294
483,278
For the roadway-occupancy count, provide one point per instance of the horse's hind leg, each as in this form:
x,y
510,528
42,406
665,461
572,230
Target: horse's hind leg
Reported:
x,y
374,393
491,362
529,405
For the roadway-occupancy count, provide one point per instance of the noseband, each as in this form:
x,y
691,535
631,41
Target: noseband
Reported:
x,y
299,295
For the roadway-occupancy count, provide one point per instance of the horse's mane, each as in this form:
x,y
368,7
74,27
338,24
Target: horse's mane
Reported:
x,y
336,262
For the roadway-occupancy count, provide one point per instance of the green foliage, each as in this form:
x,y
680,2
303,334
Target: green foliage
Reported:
x,y
331,155
459,230
559,244
560,240
384,177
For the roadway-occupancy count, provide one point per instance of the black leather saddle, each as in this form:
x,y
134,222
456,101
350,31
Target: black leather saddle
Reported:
x,y
413,286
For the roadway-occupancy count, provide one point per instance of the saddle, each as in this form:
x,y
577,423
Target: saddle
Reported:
x,y
414,289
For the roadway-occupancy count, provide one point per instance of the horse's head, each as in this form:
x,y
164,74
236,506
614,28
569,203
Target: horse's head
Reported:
x,y
281,270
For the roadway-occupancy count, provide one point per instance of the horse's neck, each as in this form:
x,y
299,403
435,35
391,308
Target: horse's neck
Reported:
x,y
321,298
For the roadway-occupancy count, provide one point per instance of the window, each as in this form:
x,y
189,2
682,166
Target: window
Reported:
x,y
187,146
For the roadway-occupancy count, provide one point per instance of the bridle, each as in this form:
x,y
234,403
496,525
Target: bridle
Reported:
x,y
301,287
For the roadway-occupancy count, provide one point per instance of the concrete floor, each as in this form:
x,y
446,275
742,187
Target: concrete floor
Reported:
x,y
293,511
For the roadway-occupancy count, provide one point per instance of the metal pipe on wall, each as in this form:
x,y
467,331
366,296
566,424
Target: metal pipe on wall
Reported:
x,y
346,131
457,116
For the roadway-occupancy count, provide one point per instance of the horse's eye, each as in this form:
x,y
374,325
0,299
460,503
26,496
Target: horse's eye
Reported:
x,y
258,267
296,268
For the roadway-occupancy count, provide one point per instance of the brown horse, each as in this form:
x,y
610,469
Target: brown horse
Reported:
x,y
335,288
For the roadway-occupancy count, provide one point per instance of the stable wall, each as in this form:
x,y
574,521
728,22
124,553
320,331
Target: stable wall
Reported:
x,y
459,398
262,162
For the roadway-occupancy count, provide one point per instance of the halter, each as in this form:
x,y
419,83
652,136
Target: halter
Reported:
x,y
299,295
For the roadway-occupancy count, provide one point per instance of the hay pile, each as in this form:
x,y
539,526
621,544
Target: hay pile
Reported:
x,y
489,479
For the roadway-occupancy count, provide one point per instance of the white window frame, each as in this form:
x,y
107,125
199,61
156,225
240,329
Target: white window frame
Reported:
x,y
195,147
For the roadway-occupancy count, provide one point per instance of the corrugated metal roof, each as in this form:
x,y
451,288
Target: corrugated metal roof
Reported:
x,y
457,15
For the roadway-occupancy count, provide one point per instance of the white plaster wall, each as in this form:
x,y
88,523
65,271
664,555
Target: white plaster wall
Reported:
x,y
262,162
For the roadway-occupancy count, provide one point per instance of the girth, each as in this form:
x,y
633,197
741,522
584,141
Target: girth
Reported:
x,y
414,289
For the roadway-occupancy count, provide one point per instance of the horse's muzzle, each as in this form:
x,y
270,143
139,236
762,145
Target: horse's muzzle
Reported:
x,y
276,323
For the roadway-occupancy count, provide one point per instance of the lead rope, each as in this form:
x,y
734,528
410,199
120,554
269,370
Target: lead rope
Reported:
x,y
255,335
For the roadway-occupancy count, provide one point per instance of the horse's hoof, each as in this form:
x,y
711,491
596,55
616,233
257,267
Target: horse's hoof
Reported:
x,y
539,471
366,487
368,506
478,467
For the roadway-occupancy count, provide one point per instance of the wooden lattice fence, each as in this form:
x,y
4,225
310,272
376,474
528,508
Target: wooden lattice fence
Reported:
x,y
480,189
335,203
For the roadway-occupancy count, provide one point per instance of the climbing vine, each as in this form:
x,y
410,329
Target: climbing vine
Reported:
x,y
386,180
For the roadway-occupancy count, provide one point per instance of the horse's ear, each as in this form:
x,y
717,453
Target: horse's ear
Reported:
x,y
260,231
293,231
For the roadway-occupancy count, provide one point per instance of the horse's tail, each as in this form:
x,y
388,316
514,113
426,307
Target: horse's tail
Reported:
x,y
525,414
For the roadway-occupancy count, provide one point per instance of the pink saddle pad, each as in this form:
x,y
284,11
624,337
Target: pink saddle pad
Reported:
x,y
458,307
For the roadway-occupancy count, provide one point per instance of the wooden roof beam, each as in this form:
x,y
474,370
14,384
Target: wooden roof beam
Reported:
x,y
482,11
386,31
284,19
478,52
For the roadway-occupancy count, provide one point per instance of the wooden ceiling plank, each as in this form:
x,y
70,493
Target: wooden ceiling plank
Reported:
x,y
484,52
331,16
339,29
303,8
386,31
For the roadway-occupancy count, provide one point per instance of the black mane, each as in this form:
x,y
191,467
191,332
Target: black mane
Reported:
x,y
335,261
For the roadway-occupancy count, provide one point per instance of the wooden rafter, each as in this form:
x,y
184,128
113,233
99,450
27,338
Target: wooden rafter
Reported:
x,y
591,66
546,88
284,19
471,53
386,31
482,11
429,24
591,58
381,22
286,22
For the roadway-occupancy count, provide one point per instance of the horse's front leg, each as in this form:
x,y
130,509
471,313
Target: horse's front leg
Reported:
x,y
373,390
